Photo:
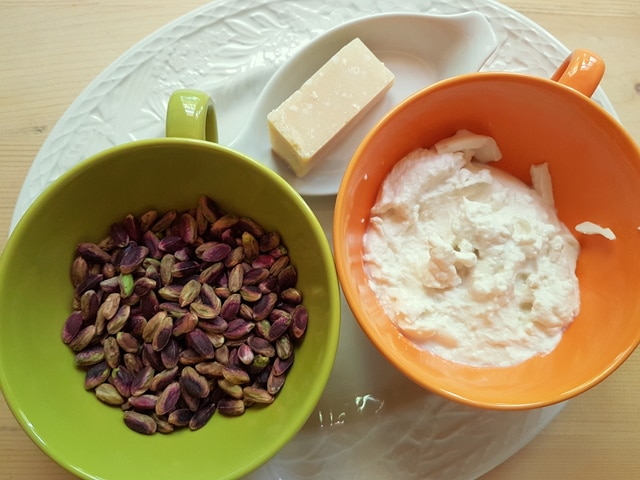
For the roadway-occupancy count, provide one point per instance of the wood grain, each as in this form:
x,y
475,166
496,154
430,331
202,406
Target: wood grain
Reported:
x,y
52,49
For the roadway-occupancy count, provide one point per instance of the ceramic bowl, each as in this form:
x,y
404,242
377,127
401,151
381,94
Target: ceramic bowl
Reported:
x,y
595,170
41,384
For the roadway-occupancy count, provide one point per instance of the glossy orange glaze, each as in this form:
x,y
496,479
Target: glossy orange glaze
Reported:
x,y
595,168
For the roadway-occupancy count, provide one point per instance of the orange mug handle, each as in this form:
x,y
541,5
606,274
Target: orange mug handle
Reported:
x,y
582,70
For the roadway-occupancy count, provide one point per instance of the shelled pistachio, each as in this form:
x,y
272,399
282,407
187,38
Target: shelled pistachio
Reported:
x,y
180,314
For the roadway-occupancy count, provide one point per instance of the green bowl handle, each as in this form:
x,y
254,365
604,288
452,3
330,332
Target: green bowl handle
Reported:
x,y
190,114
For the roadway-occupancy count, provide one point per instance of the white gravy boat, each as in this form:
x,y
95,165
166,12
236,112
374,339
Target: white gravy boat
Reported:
x,y
419,49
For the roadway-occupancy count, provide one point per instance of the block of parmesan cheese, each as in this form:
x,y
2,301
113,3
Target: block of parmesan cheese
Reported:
x,y
326,105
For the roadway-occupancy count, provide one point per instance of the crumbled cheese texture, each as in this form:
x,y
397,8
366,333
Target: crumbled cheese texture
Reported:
x,y
470,262
326,105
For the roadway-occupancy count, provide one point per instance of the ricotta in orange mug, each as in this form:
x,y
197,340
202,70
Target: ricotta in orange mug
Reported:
x,y
468,261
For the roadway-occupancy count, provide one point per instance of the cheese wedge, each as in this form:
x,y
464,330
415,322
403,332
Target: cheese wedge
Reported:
x,y
326,105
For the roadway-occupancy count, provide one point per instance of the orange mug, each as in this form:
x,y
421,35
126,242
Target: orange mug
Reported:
x,y
595,169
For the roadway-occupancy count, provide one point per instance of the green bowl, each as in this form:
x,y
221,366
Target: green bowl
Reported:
x,y
40,382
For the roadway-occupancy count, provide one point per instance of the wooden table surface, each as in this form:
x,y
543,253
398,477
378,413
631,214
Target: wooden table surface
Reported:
x,y
51,49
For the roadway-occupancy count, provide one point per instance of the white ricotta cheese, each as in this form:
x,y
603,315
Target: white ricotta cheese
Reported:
x,y
590,228
469,262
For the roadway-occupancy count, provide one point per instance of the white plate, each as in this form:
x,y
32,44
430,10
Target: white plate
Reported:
x,y
418,49
371,422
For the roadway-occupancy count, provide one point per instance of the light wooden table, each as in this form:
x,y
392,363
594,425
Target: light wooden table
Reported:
x,y
50,50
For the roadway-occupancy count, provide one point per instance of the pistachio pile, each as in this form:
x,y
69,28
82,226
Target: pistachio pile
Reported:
x,y
182,314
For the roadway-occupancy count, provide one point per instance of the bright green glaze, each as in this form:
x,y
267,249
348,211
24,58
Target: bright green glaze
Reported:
x,y
38,378
190,114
